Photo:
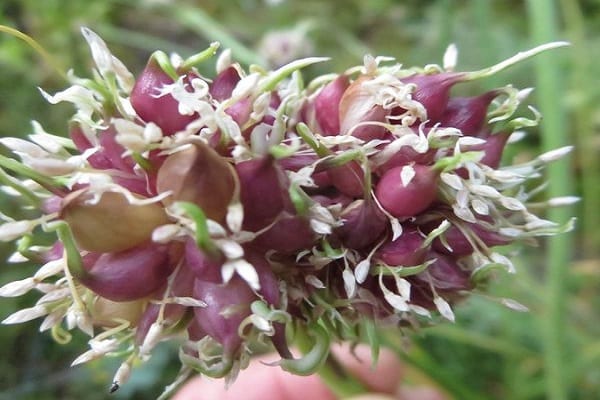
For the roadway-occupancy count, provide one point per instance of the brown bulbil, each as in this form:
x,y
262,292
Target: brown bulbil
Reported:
x,y
201,176
112,224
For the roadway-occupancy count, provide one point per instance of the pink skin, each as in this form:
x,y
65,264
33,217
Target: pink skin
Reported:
x,y
407,201
327,104
263,191
364,223
163,111
383,381
493,148
287,236
467,113
445,274
235,295
459,244
348,178
408,155
109,157
203,266
224,83
433,91
127,275
405,250
183,285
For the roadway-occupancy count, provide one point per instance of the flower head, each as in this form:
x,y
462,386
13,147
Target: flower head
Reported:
x,y
221,214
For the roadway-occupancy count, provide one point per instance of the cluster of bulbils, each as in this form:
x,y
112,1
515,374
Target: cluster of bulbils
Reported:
x,y
252,207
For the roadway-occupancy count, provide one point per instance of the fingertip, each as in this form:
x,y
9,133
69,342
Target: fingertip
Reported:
x,y
384,377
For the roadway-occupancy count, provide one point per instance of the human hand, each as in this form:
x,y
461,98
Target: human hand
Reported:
x,y
264,382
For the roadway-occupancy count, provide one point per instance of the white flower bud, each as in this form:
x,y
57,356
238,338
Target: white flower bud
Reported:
x,y
555,154
17,288
25,315
12,230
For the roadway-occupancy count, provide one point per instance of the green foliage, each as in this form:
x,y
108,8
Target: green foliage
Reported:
x,y
491,352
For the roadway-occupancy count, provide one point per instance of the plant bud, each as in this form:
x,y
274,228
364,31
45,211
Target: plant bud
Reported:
x,y
198,175
163,110
407,190
468,114
364,223
202,265
433,91
460,246
127,275
493,149
357,105
405,251
112,223
222,86
327,105
98,159
226,307
445,274
288,235
348,178
263,191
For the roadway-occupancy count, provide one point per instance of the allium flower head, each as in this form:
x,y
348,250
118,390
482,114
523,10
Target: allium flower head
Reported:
x,y
251,208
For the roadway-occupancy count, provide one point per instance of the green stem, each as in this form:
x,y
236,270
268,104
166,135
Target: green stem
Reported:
x,y
331,372
50,184
16,185
543,20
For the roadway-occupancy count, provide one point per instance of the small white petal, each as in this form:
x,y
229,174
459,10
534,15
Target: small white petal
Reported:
x,y
512,204
17,258
51,268
563,201
480,207
246,271
514,305
500,259
407,174
25,315
555,154
235,216
314,281
361,271
21,146
188,301
166,233
470,141
452,180
450,57
516,136
396,228
444,308
10,231
398,302
349,282
86,357
17,288
230,249
51,320
485,191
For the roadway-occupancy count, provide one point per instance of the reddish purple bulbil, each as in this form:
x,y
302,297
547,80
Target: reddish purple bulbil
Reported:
x,y
162,110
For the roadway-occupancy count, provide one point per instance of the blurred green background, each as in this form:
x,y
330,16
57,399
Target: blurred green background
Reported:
x,y
491,352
